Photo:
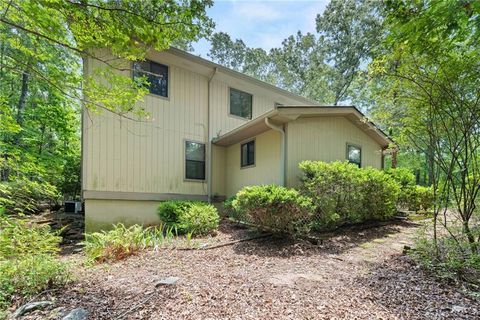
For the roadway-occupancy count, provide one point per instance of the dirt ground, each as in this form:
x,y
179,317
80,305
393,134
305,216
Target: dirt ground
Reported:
x,y
356,274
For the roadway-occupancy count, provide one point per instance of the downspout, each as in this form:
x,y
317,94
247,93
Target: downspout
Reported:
x,y
282,149
210,151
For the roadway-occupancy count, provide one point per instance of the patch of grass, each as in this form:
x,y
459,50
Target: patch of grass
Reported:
x,y
420,216
29,260
367,245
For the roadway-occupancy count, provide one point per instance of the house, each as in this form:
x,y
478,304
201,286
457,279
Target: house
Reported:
x,y
212,131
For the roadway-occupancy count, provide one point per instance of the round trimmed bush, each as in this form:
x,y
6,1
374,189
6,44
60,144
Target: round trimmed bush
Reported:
x,y
274,208
192,217
345,194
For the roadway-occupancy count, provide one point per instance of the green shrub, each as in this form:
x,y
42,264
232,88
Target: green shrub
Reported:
x,y
412,196
122,242
425,198
453,259
236,215
406,180
274,208
403,176
189,217
28,259
380,194
200,218
345,194
228,206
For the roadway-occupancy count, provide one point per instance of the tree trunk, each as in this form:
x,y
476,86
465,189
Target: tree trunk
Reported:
x,y
21,104
394,158
470,237
23,98
430,160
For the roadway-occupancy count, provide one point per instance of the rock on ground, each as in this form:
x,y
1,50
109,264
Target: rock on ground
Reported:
x,y
29,307
77,314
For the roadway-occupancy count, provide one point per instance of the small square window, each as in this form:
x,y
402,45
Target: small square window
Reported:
x,y
240,104
247,154
354,154
194,160
157,76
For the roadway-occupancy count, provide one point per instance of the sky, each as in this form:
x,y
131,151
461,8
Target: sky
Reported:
x,y
262,24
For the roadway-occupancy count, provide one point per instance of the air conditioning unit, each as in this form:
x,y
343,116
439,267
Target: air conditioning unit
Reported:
x,y
73,207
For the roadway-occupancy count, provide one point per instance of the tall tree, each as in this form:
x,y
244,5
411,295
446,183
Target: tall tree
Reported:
x,y
235,54
42,44
348,34
52,28
432,64
329,67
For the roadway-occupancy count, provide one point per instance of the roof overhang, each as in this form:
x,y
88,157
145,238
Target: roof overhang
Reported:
x,y
284,114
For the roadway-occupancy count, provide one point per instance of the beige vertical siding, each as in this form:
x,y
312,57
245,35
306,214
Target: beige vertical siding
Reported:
x,y
263,100
325,139
218,171
147,156
267,163
101,214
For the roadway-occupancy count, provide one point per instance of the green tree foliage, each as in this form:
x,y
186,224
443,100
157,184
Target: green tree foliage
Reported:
x,y
42,44
237,56
329,66
431,61
348,34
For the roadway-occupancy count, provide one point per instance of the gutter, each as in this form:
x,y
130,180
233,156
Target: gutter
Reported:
x,y
282,149
210,151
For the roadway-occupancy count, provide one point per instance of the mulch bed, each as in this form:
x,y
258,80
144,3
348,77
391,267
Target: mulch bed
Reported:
x,y
355,274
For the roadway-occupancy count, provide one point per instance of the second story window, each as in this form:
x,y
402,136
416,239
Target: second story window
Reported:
x,y
354,154
240,104
157,76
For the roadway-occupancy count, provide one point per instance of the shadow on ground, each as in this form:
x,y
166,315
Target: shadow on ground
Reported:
x,y
404,288
337,242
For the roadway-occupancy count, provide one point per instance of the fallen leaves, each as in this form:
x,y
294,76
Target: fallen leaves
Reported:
x,y
273,279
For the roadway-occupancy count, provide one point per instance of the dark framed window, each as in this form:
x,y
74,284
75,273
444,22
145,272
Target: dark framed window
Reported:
x,y
194,160
156,74
240,104
247,151
354,154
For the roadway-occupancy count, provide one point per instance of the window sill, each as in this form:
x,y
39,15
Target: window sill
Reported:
x,y
238,117
194,180
158,96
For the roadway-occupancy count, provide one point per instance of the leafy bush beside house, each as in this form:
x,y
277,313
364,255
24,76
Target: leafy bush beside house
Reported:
x,y
412,196
380,195
406,180
345,194
274,208
189,217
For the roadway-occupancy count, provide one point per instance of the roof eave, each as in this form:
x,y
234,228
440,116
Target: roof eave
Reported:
x,y
284,114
